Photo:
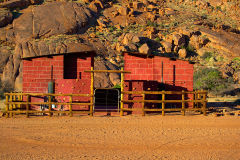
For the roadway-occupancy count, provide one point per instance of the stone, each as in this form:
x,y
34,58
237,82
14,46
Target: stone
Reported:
x,y
132,47
62,18
144,49
167,46
123,11
135,39
93,7
194,41
160,49
182,53
151,16
137,5
131,13
145,2
128,38
13,4
120,48
6,17
175,49
179,40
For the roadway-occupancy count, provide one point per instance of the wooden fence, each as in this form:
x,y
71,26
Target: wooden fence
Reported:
x,y
19,103
198,101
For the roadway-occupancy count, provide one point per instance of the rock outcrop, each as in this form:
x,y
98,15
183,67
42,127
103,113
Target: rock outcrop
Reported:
x,y
13,4
224,41
52,19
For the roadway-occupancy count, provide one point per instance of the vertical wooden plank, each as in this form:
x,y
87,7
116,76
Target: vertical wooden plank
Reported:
x,y
7,106
194,98
183,103
27,106
19,99
143,104
50,105
92,91
11,105
70,107
14,105
122,89
163,103
198,97
204,104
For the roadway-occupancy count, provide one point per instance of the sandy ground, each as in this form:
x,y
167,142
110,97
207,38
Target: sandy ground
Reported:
x,y
128,137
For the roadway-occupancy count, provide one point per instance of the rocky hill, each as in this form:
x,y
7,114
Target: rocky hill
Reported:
x,y
204,31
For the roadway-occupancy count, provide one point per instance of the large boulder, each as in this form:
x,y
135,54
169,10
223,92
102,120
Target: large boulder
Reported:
x,y
167,46
225,41
52,19
145,49
179,40
5,17
182,53
105,80
13,4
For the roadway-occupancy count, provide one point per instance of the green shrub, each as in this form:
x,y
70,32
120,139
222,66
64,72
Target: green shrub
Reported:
x,y
207,55
236,63
209,79
117,86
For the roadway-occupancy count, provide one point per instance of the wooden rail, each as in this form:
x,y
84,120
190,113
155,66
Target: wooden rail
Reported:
x,y
20,103
108,71
198,101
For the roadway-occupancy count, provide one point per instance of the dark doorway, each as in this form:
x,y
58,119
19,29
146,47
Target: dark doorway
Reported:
x,y
106,100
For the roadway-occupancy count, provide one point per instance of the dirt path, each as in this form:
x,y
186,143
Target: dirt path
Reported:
x,y
129,137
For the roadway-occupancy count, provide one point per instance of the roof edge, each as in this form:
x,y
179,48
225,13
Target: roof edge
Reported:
x,y
59,54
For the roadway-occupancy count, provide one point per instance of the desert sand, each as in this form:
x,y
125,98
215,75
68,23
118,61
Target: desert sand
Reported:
x,y
128,137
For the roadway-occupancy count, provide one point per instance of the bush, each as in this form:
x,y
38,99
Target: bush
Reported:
x,y
117,86
209,79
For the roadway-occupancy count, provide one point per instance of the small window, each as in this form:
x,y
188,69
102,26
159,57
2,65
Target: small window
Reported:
x,y
70,67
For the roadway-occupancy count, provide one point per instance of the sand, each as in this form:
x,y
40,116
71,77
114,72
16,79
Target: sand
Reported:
x,y
129,137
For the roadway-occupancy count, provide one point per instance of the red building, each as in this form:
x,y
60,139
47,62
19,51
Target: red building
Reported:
x,y
149,73
156,73
65,70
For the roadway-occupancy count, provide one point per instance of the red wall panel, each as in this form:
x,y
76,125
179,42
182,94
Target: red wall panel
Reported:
x,y
177,75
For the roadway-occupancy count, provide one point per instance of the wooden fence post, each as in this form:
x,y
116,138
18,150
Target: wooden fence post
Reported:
x,y
92,91
14,105
183,102
204,104
50,105
163,103
7,106
122,89
19,105
70,107
27,106
11,105
143,104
